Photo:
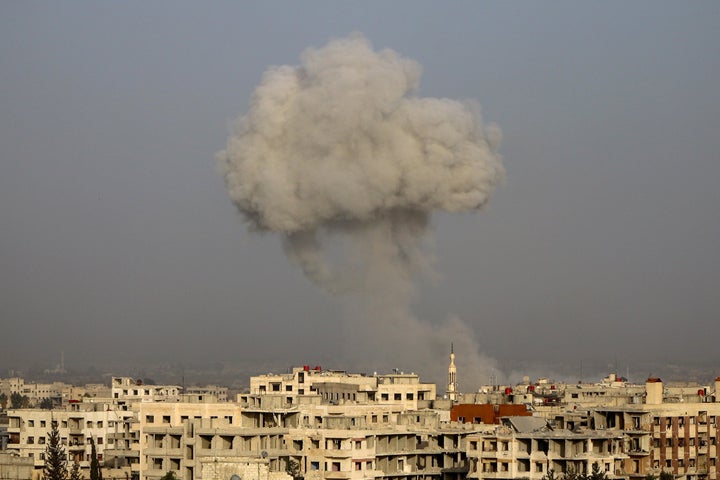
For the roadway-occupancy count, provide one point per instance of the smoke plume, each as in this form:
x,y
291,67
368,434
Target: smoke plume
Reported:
x,y
341,158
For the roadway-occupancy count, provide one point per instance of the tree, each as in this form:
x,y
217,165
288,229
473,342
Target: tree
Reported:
x,y
46,404
55,458
666,476
3,400
95,470
169,476
75,472
16,400
597,474
293,469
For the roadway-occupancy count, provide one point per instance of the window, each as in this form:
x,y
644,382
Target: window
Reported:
x,y
41,440
99,424
335,466
166,418
31,440
358,444
358,466
100,441
398,396
409,396
314,465
31,423
288,388
149,419
384,397
385,418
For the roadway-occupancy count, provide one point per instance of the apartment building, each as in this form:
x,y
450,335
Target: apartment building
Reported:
x,y
131,390
336,386
335,425
527,447
28,431
675,431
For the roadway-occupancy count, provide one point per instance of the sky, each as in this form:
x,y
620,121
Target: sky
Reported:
x,y
119,243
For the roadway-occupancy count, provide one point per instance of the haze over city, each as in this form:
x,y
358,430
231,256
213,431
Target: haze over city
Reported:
x,y
121,244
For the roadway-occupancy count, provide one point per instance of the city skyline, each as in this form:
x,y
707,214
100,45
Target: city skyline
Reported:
x,y
121,245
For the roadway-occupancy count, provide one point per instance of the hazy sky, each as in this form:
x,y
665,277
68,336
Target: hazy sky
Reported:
x,y
119,243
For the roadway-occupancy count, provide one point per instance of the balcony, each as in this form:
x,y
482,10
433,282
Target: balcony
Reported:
x,y
340,475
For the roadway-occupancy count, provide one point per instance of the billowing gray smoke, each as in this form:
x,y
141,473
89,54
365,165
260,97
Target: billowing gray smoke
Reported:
x,y
341,158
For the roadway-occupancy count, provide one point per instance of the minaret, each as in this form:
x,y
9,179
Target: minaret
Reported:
x,y
452,376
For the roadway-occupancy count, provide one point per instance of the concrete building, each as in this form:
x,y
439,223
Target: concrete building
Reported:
x,y
527,447
129,390
320,424
15,467
28,431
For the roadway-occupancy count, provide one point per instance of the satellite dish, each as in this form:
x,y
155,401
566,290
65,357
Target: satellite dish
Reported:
x,y
235,476
263,454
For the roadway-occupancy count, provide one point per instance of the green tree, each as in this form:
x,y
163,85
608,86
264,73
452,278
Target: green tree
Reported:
x,y
46,404
95,470
75,472
55,459
597,474
293,469
666,476
3,400
169,476
550,475
15,400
